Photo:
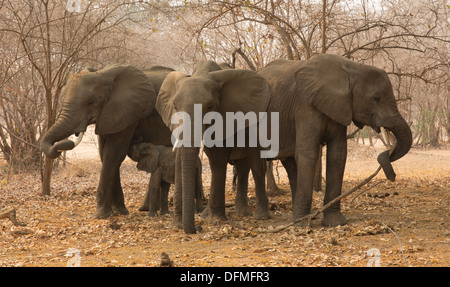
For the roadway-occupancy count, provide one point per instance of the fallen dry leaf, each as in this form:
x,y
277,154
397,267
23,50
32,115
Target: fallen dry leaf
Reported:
x,y
416,210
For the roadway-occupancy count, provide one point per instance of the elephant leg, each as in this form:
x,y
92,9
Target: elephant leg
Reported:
x,y
165,186
154,188
145,203
291,169
336,158
218,160
242,171
258,167
306,155
199,196
118,201
113,149
104,197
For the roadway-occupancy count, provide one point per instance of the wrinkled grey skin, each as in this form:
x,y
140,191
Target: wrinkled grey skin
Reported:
x,y
317,99
220,90
160,162
120,100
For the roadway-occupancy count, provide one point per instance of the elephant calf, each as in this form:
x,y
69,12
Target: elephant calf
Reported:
x,y
160,162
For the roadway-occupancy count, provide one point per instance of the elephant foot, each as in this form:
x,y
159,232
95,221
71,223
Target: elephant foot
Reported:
x,y
103,213
262,214
177,224
331,219
213,216
122,210
216,218
152,213
216,221
244,210
164,212
302,223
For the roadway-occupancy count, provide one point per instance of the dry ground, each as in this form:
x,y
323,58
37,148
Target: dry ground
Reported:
x,y
407,221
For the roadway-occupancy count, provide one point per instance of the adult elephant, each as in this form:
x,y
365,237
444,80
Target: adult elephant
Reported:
x,y
120,100
217,90
317,99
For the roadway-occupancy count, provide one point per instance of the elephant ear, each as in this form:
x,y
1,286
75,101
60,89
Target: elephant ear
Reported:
x,y
164,102
326,86
241,91
131,96
150,160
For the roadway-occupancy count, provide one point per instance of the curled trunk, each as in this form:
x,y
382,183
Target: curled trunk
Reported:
x,y
403,136
55,139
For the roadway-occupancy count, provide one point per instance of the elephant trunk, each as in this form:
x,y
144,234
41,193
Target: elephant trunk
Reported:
x,y
403,136
55,139
187,157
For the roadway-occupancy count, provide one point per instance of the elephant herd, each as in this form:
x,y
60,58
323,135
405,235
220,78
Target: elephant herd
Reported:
x,y
312,101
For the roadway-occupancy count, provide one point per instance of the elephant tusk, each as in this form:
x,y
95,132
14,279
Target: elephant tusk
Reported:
x,y
67,144
78,139
387,137
394,145
175,145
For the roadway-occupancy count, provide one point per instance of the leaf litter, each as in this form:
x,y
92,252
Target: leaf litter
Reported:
x,y
407,221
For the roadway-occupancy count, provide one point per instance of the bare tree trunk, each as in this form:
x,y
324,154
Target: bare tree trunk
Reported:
x,y
448,115
324,26
246,59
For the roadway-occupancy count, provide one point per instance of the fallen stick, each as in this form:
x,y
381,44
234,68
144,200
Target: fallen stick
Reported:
x,y
312,215
11,215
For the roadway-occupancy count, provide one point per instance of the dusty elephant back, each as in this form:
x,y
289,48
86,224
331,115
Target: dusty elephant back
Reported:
x,y
157,74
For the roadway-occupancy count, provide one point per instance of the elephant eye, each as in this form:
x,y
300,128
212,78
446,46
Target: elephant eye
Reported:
x,y
90,103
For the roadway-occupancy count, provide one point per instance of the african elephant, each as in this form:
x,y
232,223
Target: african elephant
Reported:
x,y
217,90
160,162
120,100
317,99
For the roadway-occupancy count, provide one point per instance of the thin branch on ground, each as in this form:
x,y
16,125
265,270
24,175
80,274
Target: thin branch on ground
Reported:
x,y
399,242
312,215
